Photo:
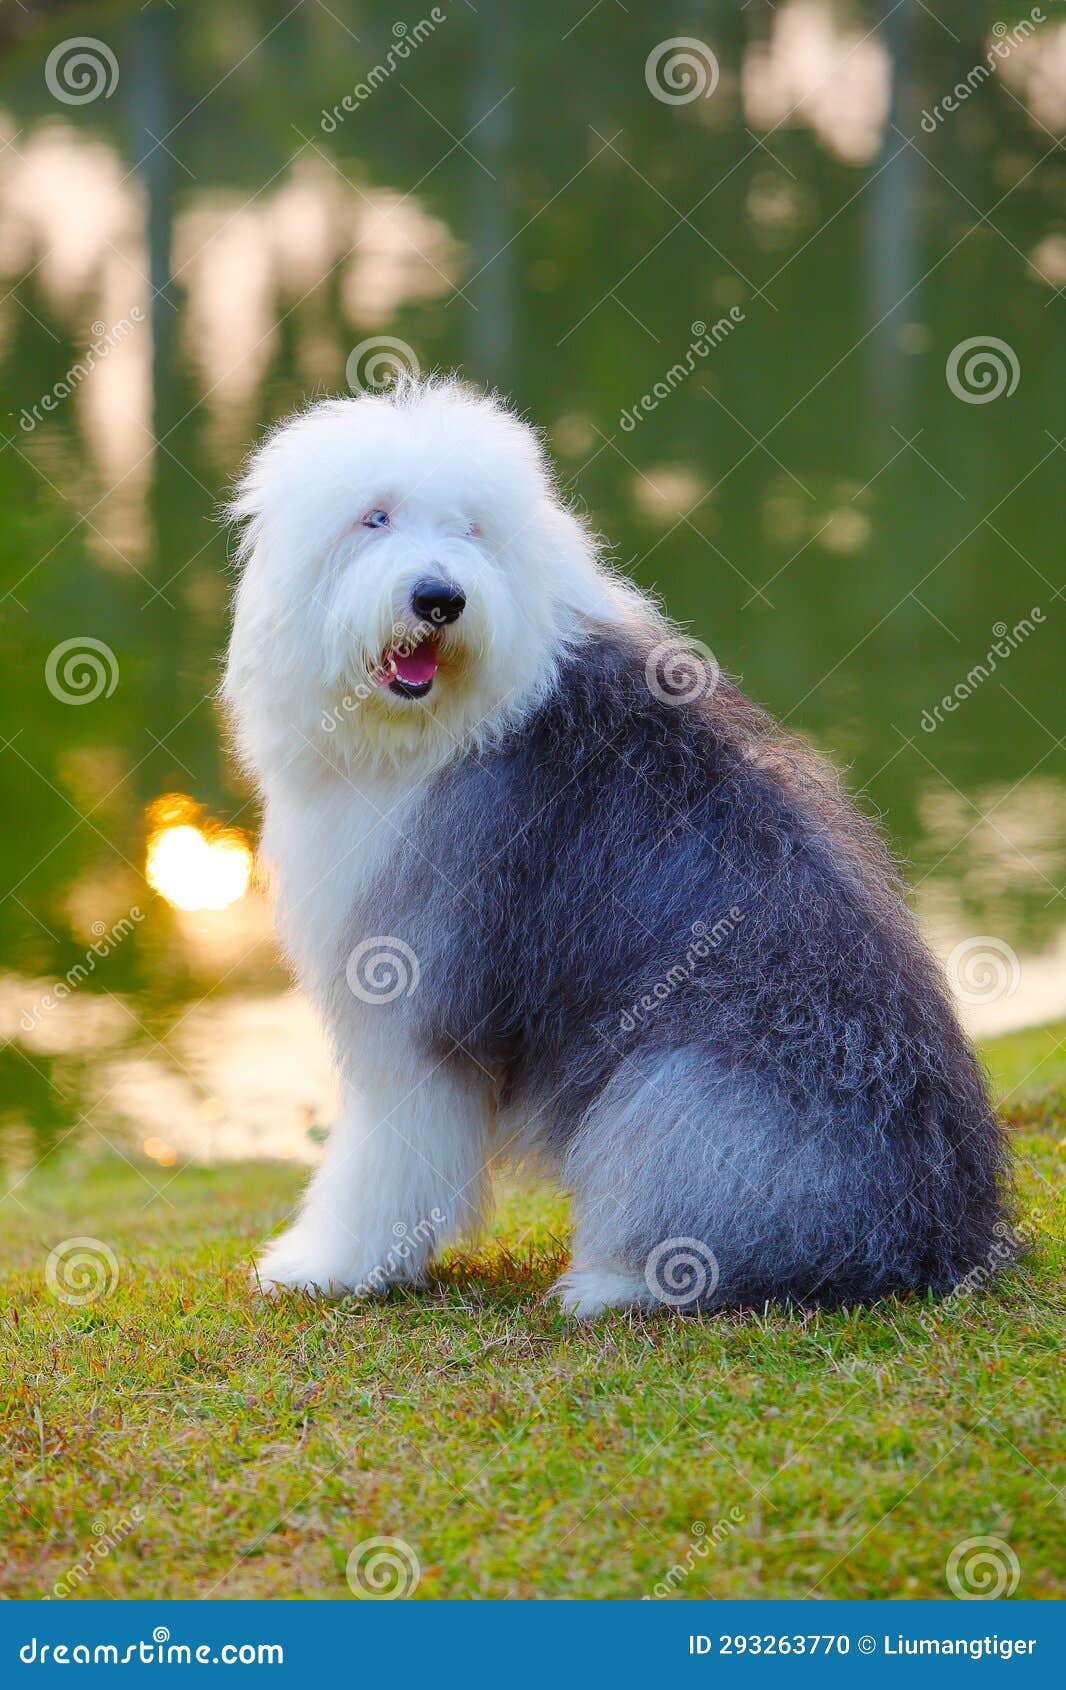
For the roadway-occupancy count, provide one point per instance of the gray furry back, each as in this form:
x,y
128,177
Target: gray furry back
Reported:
x,y
683,957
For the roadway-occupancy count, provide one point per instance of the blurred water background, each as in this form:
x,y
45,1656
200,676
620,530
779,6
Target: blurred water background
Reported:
x,y
853,529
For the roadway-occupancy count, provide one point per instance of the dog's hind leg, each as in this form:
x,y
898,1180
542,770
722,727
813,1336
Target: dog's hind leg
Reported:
x,y
586,1291
404,1171
697,1189
665,1170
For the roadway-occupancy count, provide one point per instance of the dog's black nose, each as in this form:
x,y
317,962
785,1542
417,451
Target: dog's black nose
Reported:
x,y
438,601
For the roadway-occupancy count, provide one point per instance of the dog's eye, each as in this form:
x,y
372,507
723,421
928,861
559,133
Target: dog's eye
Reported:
x,y
376,519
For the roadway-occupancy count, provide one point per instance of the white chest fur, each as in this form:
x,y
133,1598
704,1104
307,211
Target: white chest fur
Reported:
x,y
325,842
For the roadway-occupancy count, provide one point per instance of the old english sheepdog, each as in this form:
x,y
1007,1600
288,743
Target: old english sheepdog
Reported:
x,y
561,892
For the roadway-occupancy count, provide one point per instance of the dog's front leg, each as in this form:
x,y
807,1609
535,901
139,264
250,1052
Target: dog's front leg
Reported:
x,y
404,1171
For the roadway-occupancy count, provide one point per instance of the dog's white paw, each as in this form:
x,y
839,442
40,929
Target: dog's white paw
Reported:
x,y
589,1291
291,1263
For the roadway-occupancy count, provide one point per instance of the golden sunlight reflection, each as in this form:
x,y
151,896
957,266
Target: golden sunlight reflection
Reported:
x,y
192,863
237,1078
160,1151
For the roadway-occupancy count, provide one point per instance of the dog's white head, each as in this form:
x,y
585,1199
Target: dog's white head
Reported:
x,y
409,580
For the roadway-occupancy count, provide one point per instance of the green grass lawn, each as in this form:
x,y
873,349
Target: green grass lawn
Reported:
x,y
181,1438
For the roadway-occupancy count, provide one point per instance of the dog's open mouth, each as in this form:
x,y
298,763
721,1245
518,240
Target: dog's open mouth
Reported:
x,y
409,670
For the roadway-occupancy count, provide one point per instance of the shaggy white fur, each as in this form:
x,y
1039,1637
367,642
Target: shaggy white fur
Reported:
x,y
345,510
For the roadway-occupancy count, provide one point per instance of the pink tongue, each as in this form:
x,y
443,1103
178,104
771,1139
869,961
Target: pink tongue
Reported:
x,y
417,666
